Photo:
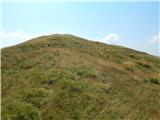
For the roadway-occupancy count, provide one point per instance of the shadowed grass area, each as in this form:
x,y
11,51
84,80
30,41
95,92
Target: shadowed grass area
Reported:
x,y
64,77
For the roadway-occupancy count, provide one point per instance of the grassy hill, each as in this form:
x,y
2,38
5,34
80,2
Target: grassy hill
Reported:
x,y
64,77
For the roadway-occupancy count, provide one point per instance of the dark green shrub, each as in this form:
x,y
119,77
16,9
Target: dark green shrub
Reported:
x,y
84,72
154,81
144,64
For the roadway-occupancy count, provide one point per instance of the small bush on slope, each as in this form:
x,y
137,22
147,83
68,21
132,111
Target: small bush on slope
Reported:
x,y
129,65
15,110
35,96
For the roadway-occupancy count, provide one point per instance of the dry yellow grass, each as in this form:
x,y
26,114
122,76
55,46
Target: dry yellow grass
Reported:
x,y
129,65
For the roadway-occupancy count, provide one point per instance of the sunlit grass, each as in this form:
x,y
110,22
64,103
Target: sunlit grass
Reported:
x,y
62,77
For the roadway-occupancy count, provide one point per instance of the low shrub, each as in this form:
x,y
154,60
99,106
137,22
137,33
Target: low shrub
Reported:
x,y
72,86
155,78
155,81
15,110
144,64
129,65
84,72
34,96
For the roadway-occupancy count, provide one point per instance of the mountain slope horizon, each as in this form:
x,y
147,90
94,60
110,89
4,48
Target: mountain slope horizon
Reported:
x,y
71,35
62,76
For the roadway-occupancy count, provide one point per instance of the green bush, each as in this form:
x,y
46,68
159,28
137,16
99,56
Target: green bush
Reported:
x,y
63,75
34,96
84,72
15,110
72,86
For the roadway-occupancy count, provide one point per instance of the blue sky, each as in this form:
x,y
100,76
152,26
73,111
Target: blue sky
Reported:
x,y
130,24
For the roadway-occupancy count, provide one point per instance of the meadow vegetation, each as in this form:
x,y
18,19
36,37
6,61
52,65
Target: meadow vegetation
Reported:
x,y
64,77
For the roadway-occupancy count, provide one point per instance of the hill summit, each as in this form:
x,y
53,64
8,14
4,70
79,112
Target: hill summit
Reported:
x,y
65,77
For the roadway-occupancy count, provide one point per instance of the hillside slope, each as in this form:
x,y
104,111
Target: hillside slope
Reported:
x,y
64,77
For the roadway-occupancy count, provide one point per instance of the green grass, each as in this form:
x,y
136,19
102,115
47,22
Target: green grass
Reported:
x,y
15,110
64,77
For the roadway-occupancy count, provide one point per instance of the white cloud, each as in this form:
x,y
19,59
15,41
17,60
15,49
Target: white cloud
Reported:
x,y
20,34
12,38
110,37
156,39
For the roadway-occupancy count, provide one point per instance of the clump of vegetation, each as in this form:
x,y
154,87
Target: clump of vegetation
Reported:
x,y
34,96
16,110
129,65
72,86
154,81
84,72
144,64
